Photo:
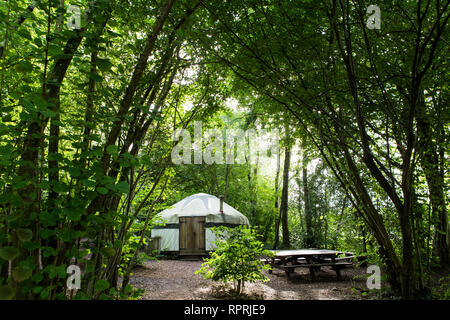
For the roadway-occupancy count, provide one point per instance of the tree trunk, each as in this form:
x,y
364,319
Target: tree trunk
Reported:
x,y
53,148
429,160
227,180
142,62
308,215
284,197
277,221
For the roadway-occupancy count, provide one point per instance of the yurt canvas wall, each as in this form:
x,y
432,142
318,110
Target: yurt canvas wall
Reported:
x,y
188,222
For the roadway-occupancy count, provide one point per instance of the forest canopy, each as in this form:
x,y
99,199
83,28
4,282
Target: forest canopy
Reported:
x,y
94,93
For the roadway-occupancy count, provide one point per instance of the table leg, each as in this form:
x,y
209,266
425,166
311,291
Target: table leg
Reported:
x,y
311,272
288,273
272,264
338,273
284,262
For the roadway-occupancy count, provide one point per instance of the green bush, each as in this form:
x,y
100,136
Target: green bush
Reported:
x,y
236,258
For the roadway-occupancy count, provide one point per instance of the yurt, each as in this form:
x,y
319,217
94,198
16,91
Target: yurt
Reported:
x,y
187,224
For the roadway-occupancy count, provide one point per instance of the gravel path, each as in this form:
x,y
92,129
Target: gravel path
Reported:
x,y
175,280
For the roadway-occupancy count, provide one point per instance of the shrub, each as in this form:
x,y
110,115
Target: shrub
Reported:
x,y
236,258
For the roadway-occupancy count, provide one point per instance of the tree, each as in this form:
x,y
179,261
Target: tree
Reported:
x,y
306,199
284,197
236,258
339,88
88,116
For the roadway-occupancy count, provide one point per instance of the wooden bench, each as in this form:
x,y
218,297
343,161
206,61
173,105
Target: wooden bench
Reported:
x,y
313,259
348,258
313,267
270,261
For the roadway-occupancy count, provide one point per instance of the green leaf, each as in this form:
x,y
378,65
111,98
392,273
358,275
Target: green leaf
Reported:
x,y
37,277
59,187
128,288
44,293
110,252
24,66
117,244
123,187
36,290
47,233
88,183
101,285
38,42
49,251
9,253
21,273
61,271
102,190
25,33
24,234
52,272
7,118
74,214
104,64
6,293
74,172
81,296
112,149
95,77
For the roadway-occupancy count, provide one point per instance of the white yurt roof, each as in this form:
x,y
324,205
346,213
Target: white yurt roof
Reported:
x,y
205,205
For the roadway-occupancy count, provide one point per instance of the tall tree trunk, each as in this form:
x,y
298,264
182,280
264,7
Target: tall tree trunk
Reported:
x,y
89,112
429,160
308,214
363,236
29,168
53,141
142,62
227,180
402,206
277,221
134,81
253,189
284,197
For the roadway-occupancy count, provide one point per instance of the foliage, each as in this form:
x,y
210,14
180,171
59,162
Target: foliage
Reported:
x,y
442,290
87,117
236,258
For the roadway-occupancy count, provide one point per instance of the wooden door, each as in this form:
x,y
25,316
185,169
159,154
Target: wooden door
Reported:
x,y
192,235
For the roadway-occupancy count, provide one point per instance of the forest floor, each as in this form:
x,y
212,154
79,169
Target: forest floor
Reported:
x,y
176,280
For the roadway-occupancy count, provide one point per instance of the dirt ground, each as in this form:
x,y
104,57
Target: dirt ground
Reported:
x,y
176,280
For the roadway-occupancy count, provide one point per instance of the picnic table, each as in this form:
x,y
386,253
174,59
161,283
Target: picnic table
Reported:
x,y
289,260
